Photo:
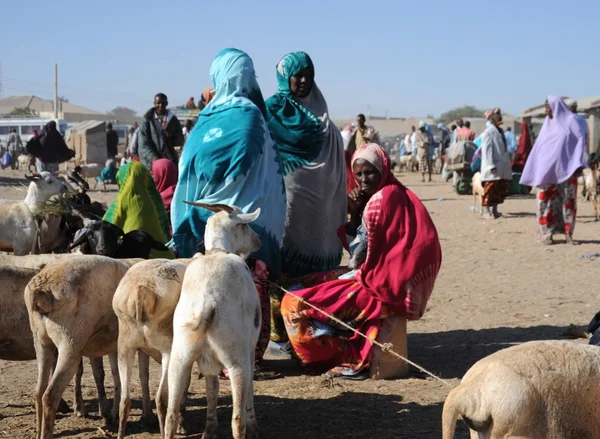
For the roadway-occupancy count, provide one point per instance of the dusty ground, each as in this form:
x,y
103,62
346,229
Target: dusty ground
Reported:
x,y
497,287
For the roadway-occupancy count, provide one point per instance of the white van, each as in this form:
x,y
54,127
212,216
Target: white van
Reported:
x,y
25,127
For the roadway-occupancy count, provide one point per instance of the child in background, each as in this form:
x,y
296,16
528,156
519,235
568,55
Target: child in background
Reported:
x,y
109,173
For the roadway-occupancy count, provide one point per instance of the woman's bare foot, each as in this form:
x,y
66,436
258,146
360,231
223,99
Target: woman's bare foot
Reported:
x,y
571,241
547,241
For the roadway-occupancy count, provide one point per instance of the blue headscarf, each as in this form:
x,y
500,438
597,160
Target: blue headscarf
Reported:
x,y
296,130
230,158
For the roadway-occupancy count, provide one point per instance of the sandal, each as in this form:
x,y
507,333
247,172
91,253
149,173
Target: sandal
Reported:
x,y
263,373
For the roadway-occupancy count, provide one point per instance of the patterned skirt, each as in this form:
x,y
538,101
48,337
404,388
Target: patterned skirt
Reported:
x,y
425,165
494,192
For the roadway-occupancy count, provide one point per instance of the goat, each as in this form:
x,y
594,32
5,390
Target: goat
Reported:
x,y
89,170
106,239
144,303
590,189
16,341
537,390
477,188
437,161
217,322
69,304
18,225
25,162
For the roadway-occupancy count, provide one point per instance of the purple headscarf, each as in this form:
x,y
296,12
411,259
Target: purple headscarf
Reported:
x,y
558,150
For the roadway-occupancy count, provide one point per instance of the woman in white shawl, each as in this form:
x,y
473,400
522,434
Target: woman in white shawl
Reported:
x,y
312,159
495,165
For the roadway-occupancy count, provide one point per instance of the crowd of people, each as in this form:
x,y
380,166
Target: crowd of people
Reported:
x,y
321,190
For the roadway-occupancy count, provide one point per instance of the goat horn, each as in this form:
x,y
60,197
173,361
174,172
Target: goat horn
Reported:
x,y
82,239
212,207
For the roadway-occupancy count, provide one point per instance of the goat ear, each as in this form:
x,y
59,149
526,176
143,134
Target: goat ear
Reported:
x,y
212,207
246,218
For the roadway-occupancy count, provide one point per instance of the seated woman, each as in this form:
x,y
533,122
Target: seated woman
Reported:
x,y
109,173
229,158
138,206
397,277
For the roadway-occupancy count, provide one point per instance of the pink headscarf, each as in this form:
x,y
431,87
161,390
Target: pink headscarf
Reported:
x,y
165,176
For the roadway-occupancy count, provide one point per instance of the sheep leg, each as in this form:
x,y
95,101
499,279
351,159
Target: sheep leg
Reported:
x,y
162,394
98,372
180,368
144,371
251,424
212,393
126,359
63,407
181,429
65,371
45,356
114,368
238,375
79,405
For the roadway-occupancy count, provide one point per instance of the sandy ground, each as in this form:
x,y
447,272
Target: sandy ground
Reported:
x,y
497,287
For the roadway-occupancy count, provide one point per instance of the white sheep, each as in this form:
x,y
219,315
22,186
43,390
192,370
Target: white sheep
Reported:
x,y
144,303
590,186
25,162
217,322
537,390
18,226
477,188
16,338
69,304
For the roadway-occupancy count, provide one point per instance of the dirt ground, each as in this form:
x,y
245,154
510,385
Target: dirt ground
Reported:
x,y
497,287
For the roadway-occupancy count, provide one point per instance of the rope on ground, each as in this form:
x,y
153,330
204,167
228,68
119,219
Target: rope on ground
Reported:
x,y
385,347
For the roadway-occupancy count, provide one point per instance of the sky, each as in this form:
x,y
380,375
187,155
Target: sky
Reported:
x,y
387,57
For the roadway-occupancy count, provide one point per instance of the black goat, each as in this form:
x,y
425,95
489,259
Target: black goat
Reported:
x,y
106,239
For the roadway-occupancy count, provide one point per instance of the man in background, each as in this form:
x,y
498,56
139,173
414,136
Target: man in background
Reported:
x,y
112,141
511,141
14,145
362,134
159,134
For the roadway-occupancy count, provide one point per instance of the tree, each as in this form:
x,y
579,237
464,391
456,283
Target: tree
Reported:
x,y
23,111
457,113
63,99
123,114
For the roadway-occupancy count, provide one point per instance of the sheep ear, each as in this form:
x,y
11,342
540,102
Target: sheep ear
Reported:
x,y
247,218
212,207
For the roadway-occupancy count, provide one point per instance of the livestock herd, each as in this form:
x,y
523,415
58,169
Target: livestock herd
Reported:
x,y
59,308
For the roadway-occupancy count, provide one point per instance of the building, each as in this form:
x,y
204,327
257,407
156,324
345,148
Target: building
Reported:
x,y
587,107
45,109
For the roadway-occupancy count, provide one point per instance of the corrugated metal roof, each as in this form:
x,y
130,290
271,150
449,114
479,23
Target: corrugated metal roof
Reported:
x,y
38,104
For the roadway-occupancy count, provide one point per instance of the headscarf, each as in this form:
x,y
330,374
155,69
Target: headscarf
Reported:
x,y
314,166
558,150
230,158
376,155
523,150
138,205
296,130
165,176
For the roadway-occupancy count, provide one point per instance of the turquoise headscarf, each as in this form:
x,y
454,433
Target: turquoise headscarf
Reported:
x,y
230,158
295,129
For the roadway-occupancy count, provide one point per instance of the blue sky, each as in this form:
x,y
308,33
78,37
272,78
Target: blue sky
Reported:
x,y
409,58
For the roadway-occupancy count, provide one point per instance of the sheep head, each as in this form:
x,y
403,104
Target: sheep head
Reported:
x,y
229,229
99,238
42,187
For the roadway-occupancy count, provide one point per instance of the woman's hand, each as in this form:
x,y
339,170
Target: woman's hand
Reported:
x,y
356,201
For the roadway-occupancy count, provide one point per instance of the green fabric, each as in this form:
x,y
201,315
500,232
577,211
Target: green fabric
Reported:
x,y
138,206
296,130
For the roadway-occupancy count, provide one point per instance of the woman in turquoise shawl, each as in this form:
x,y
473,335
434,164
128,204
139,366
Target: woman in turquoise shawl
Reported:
x,y
138,206
312,159
229,158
